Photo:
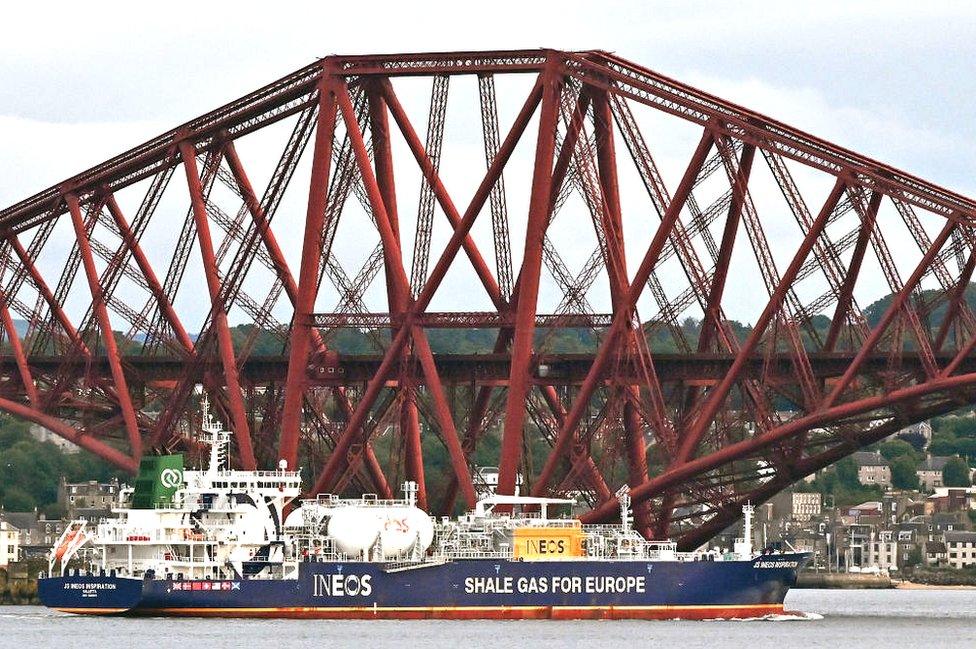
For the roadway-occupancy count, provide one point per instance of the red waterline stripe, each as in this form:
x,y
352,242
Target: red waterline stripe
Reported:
x,y
478,612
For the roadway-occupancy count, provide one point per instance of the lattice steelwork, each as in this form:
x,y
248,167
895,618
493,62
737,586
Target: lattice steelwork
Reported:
x,y
696,416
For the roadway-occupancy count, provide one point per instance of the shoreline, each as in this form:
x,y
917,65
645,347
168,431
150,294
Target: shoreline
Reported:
x,y
860,581
911,585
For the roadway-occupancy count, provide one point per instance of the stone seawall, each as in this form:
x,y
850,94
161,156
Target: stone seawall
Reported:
x,y
16,587
842,580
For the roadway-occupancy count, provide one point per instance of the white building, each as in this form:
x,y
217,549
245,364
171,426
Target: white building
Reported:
x,y
42,434
960,549
9,542
882,551
486,481
798,506
930,472
872,468
922,429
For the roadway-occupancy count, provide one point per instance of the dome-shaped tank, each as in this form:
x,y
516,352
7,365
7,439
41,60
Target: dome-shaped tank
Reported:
x,y
356,529
402,527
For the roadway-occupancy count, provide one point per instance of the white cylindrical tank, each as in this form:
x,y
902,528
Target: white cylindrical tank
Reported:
x,y
353,529
356,529
402,527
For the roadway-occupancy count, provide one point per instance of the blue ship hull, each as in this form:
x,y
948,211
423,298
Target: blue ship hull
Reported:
x,y
481,588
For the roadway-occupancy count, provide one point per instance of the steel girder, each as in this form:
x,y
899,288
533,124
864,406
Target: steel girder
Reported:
x,y
692,415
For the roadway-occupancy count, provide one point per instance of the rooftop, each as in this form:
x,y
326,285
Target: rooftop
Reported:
x,y
20,520
869,458
933,463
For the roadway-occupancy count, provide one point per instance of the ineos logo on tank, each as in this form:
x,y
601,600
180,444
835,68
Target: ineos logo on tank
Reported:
x,y
342,586
170,478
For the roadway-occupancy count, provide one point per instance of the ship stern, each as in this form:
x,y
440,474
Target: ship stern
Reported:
x,y
90,594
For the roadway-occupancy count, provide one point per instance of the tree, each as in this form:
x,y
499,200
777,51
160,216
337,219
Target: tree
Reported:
x,y
916,440
16,499
847,473
955,473
914,557
30,469
903,474
895,448
943,444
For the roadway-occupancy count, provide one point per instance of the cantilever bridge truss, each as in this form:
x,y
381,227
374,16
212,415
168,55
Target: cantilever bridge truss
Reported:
x,y
714,261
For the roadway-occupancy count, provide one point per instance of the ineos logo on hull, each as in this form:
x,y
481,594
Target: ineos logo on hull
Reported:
x,y
342,586
170,478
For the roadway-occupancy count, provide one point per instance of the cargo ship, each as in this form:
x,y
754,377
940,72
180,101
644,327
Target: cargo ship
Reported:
x,y
228,543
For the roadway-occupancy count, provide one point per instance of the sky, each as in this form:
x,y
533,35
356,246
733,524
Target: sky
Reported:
x,y
84,81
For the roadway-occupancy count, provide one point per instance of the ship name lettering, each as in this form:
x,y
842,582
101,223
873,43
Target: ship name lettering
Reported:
x,y
777,564
89,586
342,586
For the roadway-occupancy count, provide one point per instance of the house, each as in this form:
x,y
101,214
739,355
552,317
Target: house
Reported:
x,y
799,506
882,550
929,472
948,522
23,521
9,541
906,539
869,508
808,541
42,434
960,549
39,534
855,543
934,553
91,499
951,499
921,431
46,531
872,468
486,481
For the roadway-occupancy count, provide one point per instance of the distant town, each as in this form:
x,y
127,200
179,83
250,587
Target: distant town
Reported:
x,y
898,510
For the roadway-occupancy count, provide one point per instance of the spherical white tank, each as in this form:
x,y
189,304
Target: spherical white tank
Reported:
x,y
353,529
402,527
356,529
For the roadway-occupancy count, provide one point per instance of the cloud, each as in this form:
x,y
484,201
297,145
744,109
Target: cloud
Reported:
x,y
36,154
879,132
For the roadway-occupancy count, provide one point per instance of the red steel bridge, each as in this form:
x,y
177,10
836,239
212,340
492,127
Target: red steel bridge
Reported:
x,y
716,261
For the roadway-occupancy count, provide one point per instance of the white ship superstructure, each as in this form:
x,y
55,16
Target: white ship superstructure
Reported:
x,y
219,523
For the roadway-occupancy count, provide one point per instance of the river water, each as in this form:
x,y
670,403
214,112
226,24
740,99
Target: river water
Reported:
x,y
830,618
